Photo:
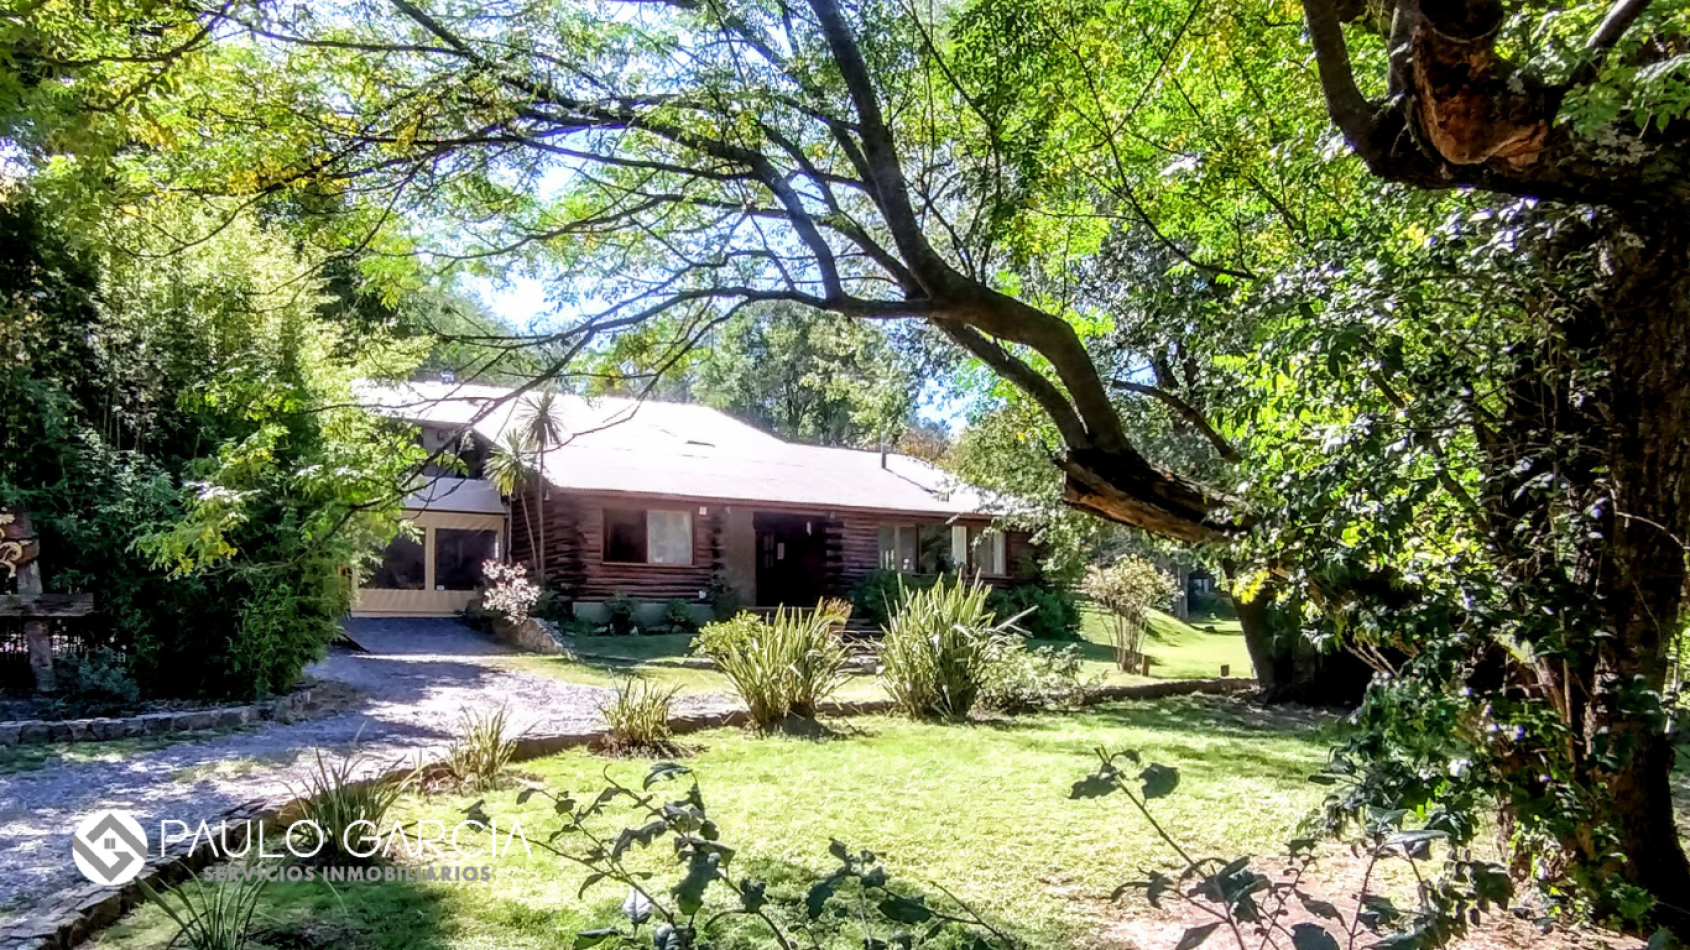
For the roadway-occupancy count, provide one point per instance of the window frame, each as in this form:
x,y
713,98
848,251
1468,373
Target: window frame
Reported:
x,y
646,527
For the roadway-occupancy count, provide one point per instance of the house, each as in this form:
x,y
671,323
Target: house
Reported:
x,y
658,501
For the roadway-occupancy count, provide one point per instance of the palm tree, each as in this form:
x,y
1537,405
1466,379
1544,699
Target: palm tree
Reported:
x,y
510,470
536,421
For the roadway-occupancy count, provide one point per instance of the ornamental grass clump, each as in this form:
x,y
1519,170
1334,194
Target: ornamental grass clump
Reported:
x,y
483,748
784,667
940,649
636,719
348,804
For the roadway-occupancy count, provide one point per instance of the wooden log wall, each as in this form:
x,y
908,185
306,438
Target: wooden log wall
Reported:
x,y
575,548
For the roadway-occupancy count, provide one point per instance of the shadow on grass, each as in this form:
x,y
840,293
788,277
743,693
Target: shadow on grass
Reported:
x,y
1209,716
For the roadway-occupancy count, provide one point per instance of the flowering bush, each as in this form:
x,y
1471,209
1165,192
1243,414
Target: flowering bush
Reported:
x,y
508,593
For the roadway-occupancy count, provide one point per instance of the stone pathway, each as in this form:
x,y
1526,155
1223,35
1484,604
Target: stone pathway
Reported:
x,y
405,699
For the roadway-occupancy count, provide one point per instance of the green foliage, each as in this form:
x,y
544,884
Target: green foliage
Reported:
x,y
620,611
211,916
181,431
939,649
96,683
783,667
1047,612
348,803
723,598
1022,680
707,895
878,595
636,719
1249,903
482,749
677,616
1128,589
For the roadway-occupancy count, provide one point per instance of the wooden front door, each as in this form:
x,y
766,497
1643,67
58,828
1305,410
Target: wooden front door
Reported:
x,y
791,559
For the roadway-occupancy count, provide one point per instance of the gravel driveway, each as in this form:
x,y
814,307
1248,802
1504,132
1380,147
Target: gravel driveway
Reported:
x,y
406,697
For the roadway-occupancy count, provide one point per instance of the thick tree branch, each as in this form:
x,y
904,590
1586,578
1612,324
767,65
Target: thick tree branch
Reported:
x,y
1187,412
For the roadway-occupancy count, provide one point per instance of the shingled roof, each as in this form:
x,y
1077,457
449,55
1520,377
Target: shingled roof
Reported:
x,y
681,450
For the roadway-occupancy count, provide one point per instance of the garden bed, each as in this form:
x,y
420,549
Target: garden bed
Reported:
x,y
172,718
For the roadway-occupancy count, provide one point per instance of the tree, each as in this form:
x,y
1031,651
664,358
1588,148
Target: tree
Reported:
x,y
539,425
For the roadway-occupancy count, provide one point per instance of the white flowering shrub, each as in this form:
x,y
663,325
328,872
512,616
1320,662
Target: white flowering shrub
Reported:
x,y
508,592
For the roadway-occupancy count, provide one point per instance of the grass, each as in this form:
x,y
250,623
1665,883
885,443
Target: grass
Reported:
x,y
1177,651
981,810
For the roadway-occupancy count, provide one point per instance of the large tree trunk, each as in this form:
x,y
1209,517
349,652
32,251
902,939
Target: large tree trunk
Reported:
x,y
1611,387
1288,666
1634,568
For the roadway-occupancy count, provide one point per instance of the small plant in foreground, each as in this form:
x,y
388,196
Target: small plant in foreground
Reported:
x,y
677,616
348,809
856,901
939,648
1249,907
482,749
784,667
637,718
210,916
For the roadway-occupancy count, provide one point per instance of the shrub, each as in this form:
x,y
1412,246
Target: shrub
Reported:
x,y
637,718
1127,590
619,614
939,649
482,749
1048,612
1020,679
785,667
97,683
677,616
211,916
342,804
724,600
507,592
876,597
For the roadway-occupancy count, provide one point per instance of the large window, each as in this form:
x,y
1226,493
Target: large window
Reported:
x,y
922,549
401,566
988,553
458,555
647,537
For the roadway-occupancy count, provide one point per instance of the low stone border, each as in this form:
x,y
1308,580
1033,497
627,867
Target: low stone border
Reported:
x,y
84,911
42,731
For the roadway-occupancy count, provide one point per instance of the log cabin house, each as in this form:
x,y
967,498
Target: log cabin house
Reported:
x,y
658,501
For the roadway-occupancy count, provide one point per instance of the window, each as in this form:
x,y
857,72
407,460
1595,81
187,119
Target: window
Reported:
x,y
401,566
624,536
647,537
989,555
669,537
920,549
458,555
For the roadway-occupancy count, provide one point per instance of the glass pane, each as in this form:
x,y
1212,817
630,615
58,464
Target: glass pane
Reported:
x,y
935,543
624,536
988,551
669,537
888,547
401,566
906,548
458,555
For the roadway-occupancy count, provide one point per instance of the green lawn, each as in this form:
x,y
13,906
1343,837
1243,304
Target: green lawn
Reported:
x,y
981,810
1177,651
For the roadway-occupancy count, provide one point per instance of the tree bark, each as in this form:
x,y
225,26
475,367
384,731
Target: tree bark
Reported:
x,y
1634,568
1288,666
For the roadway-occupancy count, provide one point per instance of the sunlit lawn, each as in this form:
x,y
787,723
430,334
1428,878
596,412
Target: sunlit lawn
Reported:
x,y
981,810
1177,651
